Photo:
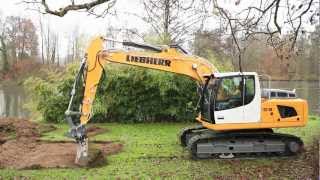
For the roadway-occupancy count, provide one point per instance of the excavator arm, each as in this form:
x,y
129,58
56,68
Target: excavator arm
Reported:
x,y
171,59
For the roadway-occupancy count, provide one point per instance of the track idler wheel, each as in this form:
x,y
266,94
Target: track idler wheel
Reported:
x,y
295,147
182,137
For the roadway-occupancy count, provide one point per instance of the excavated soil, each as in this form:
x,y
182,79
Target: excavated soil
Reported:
x,y
21,147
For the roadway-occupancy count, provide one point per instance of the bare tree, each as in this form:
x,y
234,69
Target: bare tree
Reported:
x,y
75,39
22,38
232,27
172,20
57,50
3,46
49,42
54,48
76,45
42,37
26,39
282,21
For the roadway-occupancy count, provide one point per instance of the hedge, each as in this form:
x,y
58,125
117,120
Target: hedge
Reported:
x,y
125,94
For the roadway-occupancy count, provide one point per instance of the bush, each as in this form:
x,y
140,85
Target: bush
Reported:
x,y
50,92
126,94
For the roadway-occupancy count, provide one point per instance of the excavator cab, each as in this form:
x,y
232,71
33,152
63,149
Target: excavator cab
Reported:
x,y
231,98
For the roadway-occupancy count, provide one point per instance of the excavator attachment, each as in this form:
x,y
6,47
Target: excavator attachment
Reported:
x,y
79,134
82,156
77,130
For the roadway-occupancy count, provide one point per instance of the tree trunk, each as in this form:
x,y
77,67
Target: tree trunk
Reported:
x,y
42,40
4,52
48,45
166,21
13,53
53,51
53,55
57,50
22,48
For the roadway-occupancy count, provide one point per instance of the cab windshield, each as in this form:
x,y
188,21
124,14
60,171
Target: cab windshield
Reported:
x,y
229,93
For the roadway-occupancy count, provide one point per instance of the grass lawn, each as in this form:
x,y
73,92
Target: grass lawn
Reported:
x,y
151,151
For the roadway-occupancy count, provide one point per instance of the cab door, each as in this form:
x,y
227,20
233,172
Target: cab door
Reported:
x,y
252,99
229,100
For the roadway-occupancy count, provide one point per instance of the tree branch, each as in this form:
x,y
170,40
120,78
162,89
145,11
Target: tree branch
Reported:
x,y
225,14
275,20
71,7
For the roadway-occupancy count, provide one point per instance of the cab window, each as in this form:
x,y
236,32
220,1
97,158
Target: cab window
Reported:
x,y
249,90
229,93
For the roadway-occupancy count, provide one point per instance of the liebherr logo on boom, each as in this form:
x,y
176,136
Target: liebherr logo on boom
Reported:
x,y
149,60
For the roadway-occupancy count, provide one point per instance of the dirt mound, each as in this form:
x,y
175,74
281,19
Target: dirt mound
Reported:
x,y
21,148
18,129
17,155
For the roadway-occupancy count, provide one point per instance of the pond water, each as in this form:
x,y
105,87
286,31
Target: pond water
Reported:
x,y
12,98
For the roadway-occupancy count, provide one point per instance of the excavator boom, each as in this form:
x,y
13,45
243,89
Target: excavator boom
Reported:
x,y
171,59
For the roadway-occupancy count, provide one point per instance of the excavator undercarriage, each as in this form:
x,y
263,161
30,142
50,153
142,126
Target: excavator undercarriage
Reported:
x,y
204,143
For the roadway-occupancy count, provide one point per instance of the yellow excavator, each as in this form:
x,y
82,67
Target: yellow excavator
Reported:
x,y
236,116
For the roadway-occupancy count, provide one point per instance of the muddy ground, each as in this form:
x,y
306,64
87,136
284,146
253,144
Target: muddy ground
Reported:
x,y
21,147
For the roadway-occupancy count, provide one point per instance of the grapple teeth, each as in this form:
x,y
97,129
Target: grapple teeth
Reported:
x,y
82,157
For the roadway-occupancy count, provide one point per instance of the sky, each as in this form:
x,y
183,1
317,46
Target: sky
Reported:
x,y
92,26
87,24
81,21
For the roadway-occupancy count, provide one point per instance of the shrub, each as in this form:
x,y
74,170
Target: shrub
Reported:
x,y
126,94
143,95
50,93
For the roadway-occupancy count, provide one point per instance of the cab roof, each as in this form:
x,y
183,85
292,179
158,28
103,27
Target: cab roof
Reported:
x,y
226,74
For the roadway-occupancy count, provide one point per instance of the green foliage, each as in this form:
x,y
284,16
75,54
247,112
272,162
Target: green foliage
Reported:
x,y
125,94
51,94
141,95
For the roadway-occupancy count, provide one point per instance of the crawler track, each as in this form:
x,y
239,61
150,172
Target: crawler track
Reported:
x,y
203,143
